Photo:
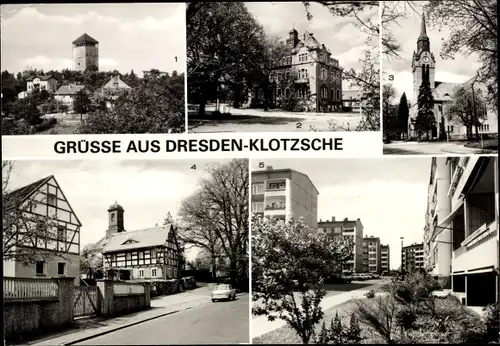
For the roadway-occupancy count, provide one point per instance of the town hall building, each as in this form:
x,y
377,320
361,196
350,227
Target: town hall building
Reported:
x,y
424,65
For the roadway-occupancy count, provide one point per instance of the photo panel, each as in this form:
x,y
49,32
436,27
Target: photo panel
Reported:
x,y
439,77
283,66
164,244
339,247
93,68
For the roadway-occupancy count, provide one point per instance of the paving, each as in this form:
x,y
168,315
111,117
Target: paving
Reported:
x,y
261,325
89,328
432,148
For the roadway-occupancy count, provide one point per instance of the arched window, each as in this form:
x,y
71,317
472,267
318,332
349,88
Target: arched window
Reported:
x,y
278,93
332,94
279,76
271,77
287,93
338,94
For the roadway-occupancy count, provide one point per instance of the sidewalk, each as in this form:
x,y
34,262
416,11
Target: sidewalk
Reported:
x,y
92,327
260,325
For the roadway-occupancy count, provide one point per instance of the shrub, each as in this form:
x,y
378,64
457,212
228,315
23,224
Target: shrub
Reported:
x,y
370,294
338,333
46,124
492,322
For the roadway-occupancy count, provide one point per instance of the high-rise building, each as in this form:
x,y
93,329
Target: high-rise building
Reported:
x,y
371,254
385,259
461,233
282,193
412,257
85,53
351,230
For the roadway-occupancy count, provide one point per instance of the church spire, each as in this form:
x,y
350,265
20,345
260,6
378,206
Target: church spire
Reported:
x,y
423,31
423,43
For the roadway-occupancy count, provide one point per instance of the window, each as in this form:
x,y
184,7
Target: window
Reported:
x,y
153,272
113,217
61,233
51,199
278,92
61,268
40,268
338,94
257,189
141,273
450,128
287,93
257,207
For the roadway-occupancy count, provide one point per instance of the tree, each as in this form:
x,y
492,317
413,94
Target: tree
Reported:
x,y
290,263
473,26
156,106
216,217
469,108
403,114
390,122
25,232
425,121
224,42
82,102
91,264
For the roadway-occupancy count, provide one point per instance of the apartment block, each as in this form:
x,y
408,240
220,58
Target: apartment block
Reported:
x,y
461,233
281,193
371,255
385,259
347,229
412,257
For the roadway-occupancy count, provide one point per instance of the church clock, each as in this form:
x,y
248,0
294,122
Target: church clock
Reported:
x,y
426,59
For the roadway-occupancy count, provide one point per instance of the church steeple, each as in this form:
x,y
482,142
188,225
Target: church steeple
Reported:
x,y
423,43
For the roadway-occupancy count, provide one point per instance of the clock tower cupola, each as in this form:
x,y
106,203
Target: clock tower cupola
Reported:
x,y
423,62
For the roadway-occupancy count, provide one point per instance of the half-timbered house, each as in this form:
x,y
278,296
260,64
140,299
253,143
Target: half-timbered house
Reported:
x,y
145,254
59,244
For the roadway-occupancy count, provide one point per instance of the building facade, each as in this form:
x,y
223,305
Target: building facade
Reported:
x,y
412,257
66,93
424,67
48,83
283,193
371,255
351,230
385,259
45,200
146,254
85,53
307,74
465,238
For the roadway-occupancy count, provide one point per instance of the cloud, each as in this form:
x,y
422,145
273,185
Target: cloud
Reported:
x,y
107,62
38,60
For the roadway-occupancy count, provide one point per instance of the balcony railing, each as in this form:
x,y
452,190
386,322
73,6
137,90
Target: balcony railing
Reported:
x,y
275,207
276,188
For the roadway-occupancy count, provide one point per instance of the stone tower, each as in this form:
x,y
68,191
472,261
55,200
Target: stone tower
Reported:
x,y
85,53
115,212
423,62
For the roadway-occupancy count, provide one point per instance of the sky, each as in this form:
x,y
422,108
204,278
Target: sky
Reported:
x,y
406,32
388,194
345,41
146,189
131,36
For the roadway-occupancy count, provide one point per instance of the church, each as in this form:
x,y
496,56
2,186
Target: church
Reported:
x,y
424,65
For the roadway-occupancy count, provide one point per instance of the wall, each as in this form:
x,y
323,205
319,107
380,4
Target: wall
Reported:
x,y
119,304
304,199
25,318
72,268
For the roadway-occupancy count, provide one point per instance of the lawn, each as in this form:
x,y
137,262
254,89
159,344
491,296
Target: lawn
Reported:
x,y
489,144
286,335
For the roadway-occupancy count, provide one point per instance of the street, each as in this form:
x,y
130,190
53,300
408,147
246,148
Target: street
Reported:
x,y
208,323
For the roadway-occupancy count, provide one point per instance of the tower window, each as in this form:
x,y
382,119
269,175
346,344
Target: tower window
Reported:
x,y
113,217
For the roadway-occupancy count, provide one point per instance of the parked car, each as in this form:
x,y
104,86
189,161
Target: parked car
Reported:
x,y
223,292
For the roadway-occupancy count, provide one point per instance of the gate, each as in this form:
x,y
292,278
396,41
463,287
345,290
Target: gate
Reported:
x,y
85,301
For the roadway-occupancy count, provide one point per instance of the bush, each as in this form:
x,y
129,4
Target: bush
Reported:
x,y
492,321
46,124
338,333
370,294
167,287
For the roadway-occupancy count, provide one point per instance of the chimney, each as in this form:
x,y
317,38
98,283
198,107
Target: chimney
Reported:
x,y
346,219
311,34
269,168
333,218
320,220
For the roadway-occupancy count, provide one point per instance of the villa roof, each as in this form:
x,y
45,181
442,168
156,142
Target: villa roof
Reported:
x,y
69,89
22,193
47,77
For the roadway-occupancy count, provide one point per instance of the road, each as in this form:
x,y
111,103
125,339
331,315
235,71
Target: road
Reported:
x,y
210,323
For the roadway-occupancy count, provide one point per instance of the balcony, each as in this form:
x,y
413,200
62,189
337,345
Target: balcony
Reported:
x,y
275,207
275,192
478,250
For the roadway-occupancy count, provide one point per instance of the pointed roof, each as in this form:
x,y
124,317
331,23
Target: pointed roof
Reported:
x,y
116,83
22,193
85,39
423,29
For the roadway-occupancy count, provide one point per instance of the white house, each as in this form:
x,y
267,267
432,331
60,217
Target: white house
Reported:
x,y
48,83
66,93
